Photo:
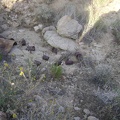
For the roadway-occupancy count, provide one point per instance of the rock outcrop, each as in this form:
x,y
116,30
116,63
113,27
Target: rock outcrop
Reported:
x,y
60,42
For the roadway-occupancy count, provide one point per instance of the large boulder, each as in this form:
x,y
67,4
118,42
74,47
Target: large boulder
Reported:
x,y
68,27
60,42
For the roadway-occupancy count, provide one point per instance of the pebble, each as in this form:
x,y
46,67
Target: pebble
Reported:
x,y
77,108
23,42
76,118
92,118
69,62
30,48
45,57
86,111
61,109
38,27
54,50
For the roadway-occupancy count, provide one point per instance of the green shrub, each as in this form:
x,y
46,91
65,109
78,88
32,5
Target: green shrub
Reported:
x,y
56,71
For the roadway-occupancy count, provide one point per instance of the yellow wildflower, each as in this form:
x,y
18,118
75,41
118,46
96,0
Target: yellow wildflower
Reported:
x,y
21,73
6,64
14,115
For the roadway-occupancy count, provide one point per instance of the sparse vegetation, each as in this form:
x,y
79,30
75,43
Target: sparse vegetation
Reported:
x,y
100,27
116,31
56,71
102,75
37,89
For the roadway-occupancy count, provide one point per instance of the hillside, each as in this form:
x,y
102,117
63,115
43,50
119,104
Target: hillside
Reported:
x,y
59,60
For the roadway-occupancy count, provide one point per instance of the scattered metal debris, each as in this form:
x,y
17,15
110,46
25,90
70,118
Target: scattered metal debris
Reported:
x,y
69,62
6,45
23,42
78,56
30,48
45,57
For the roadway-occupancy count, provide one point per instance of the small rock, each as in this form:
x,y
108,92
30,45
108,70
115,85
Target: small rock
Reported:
x,y
39,27
69,62
61,109
50,28
30,48
92,118
76,118
36,28
77,108
86,111
78,56
23,42
45,57
37,62
54,50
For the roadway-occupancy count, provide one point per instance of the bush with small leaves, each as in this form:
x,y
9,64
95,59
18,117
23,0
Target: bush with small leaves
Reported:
x,y
56,71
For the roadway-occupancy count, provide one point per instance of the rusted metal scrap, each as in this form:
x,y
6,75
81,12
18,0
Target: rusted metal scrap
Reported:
x,y
30,48
22,42
45,57
69,62
6,45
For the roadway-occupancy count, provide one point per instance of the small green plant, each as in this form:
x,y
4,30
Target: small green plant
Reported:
x,y
56,71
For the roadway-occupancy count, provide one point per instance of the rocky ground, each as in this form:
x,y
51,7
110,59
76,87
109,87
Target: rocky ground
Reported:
x,y
49,32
